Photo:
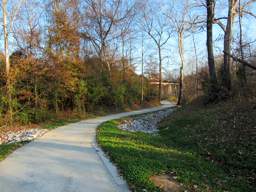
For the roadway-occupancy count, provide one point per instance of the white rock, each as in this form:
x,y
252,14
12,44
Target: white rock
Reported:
x,y
24,135
145,123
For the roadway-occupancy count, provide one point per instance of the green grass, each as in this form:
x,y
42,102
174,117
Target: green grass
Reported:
x,y
201,146
6,149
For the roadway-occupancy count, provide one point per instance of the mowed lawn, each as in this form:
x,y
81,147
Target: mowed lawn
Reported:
x,y
205,149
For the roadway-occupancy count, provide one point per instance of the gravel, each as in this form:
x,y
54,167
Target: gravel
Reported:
x,y
146,123
24,135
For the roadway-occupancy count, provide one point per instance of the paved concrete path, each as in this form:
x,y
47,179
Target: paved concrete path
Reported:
x,y
64,160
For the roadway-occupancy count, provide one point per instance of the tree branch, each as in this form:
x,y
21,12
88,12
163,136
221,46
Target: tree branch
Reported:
x,y
220,24
249,13
241,61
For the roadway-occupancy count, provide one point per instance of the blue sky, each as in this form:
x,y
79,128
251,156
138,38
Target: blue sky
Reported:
x,y
171,61
171,50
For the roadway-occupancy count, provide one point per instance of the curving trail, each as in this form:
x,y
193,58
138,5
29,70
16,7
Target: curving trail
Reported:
x,y
64,160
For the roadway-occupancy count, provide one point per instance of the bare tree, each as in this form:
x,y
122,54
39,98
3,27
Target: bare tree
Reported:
x,y
142,69
179,20
125,37
241,11
8,16
27,29
233,10
158,30
226,78
211,64
196,63
102,19
6,44
241,70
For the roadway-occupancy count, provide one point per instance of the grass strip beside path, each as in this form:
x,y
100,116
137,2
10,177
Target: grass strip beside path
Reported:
x,y
185,147
6,149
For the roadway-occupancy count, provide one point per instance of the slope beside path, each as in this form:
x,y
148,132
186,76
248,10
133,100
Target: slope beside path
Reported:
x,y
64,160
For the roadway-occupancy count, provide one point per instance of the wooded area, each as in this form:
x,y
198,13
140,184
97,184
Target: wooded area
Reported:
x,y
86,55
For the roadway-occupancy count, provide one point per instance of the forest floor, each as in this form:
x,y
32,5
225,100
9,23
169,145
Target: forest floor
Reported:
x,y
202,148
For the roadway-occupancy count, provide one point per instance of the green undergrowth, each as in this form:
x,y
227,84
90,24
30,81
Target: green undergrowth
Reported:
x,y
206,148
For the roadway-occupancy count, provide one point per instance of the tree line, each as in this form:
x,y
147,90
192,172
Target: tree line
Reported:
x,y
236,8
61,55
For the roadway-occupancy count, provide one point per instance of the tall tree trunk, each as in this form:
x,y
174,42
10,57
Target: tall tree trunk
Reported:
x,y
130,52
36,99
160,74
56,97
7,62
226,76
123,61
104,59
241,70
142,70
211,62
196,59
182,60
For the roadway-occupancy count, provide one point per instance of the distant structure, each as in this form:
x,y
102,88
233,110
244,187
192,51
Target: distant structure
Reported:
x,y
169,89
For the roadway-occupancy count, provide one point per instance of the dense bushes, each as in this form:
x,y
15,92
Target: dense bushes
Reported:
x,y
65,84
